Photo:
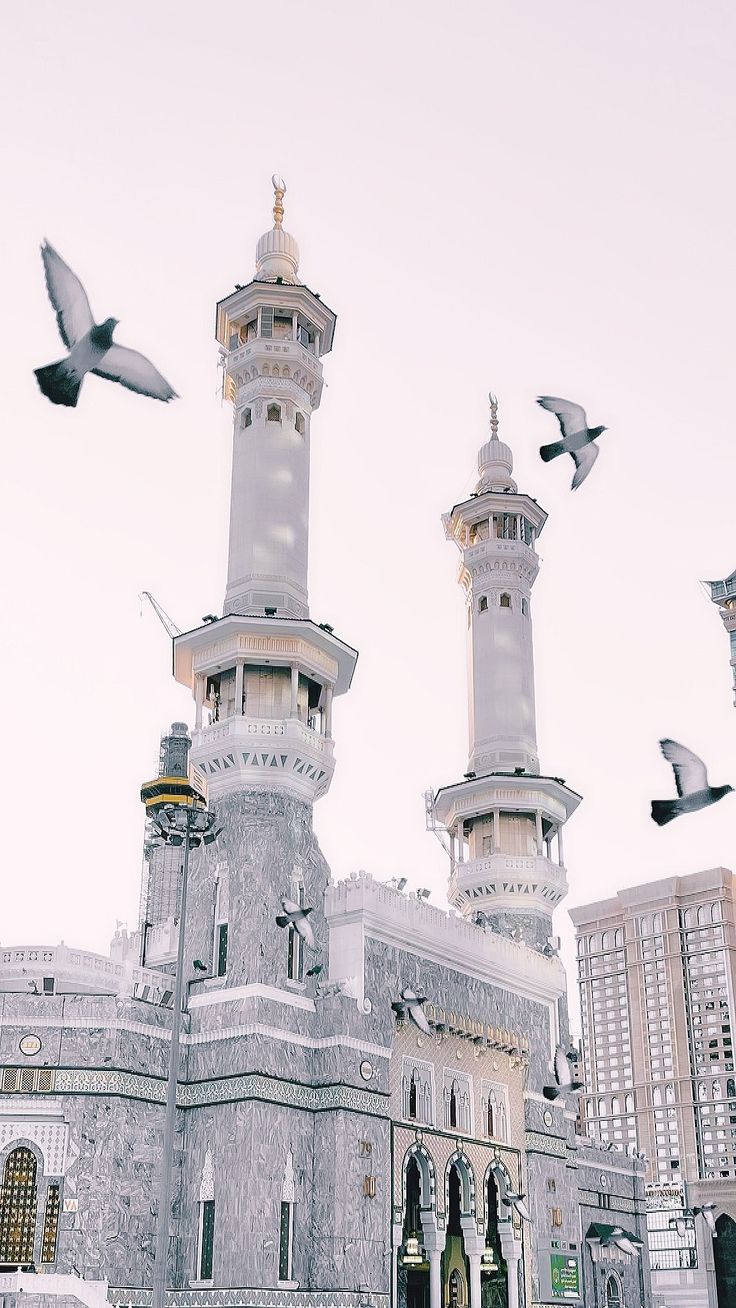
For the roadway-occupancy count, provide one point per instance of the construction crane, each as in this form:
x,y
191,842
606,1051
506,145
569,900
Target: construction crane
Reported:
x,y
161,614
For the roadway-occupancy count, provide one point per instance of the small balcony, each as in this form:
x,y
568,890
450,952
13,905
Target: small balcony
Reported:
x,y
494,877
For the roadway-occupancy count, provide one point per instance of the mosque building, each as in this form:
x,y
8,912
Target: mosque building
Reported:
x,y
330,1150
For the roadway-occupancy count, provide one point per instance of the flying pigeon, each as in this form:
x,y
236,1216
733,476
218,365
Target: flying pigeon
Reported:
x,y
199,966
578,439
680,1226
512,1199
296,916
618,1237
411,1003
563,1077
90,344
707,1211
315,971
691,781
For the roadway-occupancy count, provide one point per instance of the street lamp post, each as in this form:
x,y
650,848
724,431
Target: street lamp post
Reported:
x,y
189,824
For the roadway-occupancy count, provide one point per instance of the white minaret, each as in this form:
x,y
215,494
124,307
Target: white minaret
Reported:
x,y
264,675
504,818
723,593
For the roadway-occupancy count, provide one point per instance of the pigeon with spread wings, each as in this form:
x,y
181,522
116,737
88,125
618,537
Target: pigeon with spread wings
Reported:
x,y
564,1084
511,1198
90,344
578,439
691,782
294,915
412,1003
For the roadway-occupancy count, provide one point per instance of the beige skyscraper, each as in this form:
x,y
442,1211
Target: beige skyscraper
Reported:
x,y
657,974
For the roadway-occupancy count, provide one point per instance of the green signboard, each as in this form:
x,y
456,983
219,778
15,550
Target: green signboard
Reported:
x,y
564,1276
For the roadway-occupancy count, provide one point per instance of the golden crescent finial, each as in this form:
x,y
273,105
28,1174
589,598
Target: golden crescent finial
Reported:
x,y
279,186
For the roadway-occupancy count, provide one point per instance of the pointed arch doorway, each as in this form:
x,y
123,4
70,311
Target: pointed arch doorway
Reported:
x,y
494,1286
724,1255
455,1272
18,1209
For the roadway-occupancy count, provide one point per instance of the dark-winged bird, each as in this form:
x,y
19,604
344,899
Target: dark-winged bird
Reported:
x,y
691,781
578,439
512,1199
90,344
412,1003
296,916
564,1084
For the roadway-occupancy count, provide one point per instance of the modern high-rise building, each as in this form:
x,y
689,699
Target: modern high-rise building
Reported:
x,y
330,1151
657,978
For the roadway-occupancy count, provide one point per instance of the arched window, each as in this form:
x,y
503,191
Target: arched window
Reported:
x,y
505,601
703,914
18,1203
715,913
482,603
491,1118
629,1102
619,936
413,1095
657,923
613,1292
731,1088
247,418
669,1094
716,1089
702,1090
299,423
657,1095
615,1105
412,1216
608,939
601,1108
525,608
453,1105
273,413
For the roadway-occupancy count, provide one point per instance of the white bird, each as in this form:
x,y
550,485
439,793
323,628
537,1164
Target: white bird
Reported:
x,y
578,439
707,1212
90,344
296,916
412,1003
511,1198
563,1078
691,782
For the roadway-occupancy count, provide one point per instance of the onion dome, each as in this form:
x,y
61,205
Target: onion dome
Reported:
x,y
277,253
495,460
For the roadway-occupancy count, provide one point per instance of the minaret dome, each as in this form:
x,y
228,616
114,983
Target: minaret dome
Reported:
x,y
277,253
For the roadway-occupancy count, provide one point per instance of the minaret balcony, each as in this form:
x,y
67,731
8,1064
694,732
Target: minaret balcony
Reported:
x,y
274,753
508,881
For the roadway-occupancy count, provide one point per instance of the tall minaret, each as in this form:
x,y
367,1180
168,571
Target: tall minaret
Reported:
x,y
504,818
723,593
264,676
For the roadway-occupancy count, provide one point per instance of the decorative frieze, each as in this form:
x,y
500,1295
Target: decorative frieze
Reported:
x,y
251,1085
537,1143
249,1298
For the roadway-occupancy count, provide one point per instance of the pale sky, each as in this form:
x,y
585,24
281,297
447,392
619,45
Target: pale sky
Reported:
x,y
531,198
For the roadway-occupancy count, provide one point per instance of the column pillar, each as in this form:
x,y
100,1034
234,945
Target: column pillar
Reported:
x,y
328,711
198,701
294,689
538,818
474,1287
560,851
511,1250
460,842
496,831
396,1234
435,1278
238,689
